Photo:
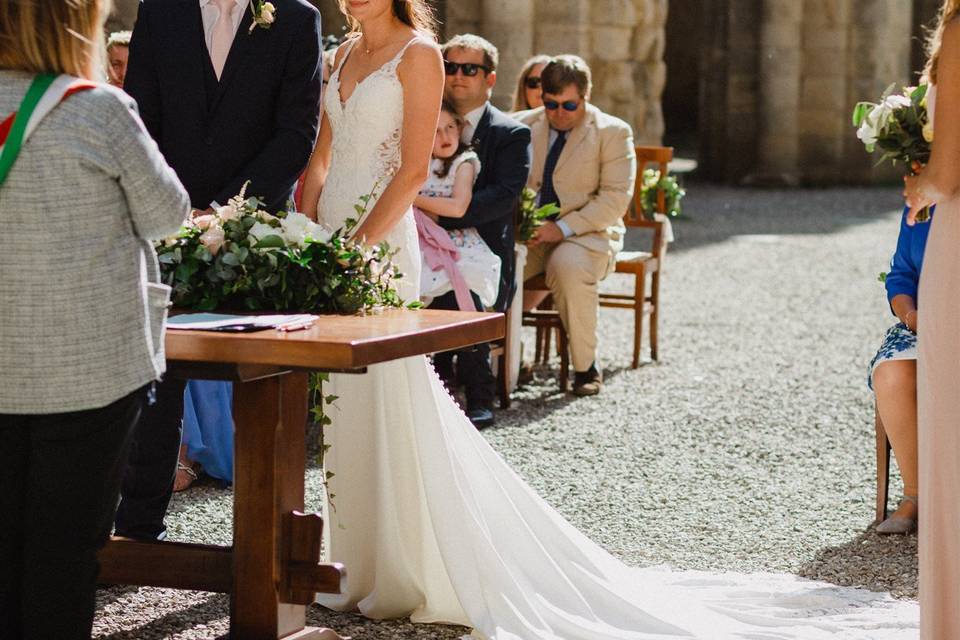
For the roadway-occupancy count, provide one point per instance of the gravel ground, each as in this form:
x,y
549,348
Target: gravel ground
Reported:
x,y
748,447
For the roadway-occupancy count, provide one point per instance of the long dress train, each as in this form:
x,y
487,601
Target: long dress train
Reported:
x,y
431,523
938,406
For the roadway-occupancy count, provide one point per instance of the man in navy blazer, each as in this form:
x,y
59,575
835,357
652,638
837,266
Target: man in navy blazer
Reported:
x,y
503,145
231,95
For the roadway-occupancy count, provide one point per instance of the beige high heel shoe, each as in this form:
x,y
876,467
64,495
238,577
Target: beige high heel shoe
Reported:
x,y
898,524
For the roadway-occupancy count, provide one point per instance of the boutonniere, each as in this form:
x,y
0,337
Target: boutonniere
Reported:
x,y
264,14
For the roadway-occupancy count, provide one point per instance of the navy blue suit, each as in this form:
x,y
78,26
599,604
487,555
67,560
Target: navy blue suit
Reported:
x,y
503,145
258,122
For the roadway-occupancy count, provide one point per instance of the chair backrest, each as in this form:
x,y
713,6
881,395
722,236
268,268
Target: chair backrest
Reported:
x,y
660,156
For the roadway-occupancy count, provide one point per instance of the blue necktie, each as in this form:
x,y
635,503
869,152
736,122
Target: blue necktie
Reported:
x,y
548,194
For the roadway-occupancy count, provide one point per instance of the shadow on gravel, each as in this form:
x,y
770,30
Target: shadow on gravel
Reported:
x,y
358,627
714,213
871,561
215,607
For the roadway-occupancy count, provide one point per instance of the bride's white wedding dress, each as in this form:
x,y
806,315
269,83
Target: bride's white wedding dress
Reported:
x,y
431,523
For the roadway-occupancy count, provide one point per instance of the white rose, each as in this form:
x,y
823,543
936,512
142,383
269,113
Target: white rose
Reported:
x,y
867,134
319,232
896,102
298,227
261,231
267,13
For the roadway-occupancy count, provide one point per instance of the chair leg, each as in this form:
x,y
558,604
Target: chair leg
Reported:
x,y
547,336
538,348
655,315
883,468
503,379
639,295
564,360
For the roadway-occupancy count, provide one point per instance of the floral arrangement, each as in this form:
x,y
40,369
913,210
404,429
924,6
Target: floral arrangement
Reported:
x,y
899,126
242,258
651,182
531,216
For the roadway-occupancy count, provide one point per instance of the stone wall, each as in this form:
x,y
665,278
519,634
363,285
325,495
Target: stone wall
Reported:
x,y
622,40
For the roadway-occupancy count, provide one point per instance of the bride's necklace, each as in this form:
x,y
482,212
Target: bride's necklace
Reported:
x,y
367,49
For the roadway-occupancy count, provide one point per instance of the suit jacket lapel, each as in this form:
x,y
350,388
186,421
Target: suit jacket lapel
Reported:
x,y
576,137
479,134
242,45
540,135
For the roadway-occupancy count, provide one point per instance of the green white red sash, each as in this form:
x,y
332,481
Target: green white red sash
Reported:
x,y
45,92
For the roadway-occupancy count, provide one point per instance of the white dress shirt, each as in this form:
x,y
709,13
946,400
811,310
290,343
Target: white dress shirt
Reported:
x,y
472,119
210,12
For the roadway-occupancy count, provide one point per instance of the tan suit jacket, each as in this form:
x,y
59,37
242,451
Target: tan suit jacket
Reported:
x,y
594,177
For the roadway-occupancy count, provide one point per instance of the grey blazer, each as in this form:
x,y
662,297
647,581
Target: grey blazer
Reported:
x,y
82,312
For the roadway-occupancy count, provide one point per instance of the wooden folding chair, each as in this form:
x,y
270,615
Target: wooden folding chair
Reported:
x,y
883,468
643,263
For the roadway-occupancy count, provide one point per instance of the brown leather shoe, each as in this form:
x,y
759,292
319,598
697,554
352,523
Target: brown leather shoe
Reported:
x,y
587,383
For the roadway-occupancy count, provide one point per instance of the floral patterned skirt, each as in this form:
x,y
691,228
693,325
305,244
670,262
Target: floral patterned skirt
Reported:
x,y
899,344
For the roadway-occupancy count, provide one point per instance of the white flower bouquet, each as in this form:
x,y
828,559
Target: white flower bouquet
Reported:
x,y
899,126
243,258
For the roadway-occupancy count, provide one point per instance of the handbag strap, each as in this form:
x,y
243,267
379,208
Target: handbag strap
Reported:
x,y
11,148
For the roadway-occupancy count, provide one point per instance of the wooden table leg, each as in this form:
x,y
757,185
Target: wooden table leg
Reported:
x,y
270,460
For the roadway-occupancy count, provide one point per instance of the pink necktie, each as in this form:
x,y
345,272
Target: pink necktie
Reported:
x,y
222,36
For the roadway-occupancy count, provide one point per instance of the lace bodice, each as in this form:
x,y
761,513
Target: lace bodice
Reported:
x,y
366,134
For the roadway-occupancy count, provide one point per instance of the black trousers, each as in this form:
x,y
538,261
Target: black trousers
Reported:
x,y
148,481
59,481
473,364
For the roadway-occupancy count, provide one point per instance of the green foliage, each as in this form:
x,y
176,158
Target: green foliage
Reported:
x,y
532,217
272,272
652,182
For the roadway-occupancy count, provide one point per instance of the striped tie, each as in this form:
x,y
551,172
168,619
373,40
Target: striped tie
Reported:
x,y
548,195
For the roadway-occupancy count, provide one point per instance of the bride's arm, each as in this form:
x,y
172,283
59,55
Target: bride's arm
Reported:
x,y
421,74
317,170
940,179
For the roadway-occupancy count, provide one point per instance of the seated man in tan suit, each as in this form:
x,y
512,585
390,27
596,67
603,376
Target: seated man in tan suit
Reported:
x,y
583,160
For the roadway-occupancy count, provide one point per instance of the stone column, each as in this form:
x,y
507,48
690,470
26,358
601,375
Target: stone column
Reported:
x,y
781,27
508,24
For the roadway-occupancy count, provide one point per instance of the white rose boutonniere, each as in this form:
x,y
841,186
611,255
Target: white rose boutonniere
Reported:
x,y
264,14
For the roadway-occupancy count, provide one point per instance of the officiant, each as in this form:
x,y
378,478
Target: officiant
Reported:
x,y
230,94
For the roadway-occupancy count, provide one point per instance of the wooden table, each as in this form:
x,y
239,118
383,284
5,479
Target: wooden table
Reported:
x,y
272,570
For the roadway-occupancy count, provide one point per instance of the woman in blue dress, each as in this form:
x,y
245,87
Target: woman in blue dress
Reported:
x,y
893,371
207,432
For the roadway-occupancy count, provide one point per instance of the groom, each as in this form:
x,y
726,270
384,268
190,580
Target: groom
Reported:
x,y
229,90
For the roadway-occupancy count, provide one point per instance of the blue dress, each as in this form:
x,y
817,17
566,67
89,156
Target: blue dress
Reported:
x,y
903,279
208,426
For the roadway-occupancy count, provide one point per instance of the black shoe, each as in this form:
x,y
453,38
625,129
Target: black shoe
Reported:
x,y
587,383
481,417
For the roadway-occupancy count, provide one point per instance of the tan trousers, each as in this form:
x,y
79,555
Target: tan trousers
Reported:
x,y
573,274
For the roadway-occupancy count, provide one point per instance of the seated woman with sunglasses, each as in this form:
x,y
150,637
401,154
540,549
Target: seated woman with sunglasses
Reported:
x,y
584,161
527,94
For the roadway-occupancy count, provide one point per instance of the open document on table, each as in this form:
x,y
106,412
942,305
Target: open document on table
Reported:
x,y
240,323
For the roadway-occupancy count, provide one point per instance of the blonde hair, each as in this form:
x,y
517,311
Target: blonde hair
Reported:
x,y
53,36
948,12
413,13
520,94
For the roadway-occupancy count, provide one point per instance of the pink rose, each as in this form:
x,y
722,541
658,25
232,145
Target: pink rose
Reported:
x,y
204,221
213,238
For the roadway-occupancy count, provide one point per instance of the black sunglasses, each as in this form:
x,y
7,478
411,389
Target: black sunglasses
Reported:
x,y
533,82
469,68
569,105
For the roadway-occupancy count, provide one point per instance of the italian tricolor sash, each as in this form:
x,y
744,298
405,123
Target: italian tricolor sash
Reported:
x,y
45,92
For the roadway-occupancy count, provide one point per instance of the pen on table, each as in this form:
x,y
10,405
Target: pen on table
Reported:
x,y
294,326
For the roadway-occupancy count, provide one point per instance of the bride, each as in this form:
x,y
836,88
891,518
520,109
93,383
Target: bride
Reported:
x,y
430,522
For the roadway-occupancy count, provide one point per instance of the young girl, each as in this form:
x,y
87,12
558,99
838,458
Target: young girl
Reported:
x,y
456,260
